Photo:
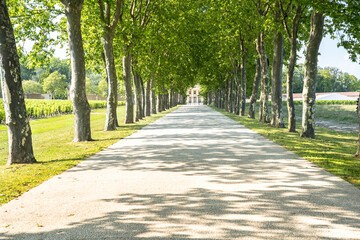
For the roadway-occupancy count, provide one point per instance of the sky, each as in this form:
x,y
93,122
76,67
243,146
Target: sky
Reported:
x,y
332,56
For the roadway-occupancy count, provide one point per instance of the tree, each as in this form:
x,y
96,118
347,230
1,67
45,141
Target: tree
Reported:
x,y
262,8
255,90
292,31
55,84
62,66
310,67
276,73
81,106
109,24
30,86
17,121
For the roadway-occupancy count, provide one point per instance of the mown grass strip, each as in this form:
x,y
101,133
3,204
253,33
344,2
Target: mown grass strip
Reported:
x,y
55,151
333,151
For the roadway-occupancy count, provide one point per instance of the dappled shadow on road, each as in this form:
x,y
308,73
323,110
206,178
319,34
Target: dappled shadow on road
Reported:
x,y
205,178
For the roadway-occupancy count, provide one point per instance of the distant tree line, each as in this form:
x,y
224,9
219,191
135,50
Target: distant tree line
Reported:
x,y
55,76
329,79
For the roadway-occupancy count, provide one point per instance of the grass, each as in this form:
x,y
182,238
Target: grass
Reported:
x,y
333,151
336,113
55,152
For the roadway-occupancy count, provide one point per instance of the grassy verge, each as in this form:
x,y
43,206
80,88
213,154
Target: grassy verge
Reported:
x,y
334,151
55,151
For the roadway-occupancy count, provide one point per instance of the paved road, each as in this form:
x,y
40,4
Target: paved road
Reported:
x,y
194,174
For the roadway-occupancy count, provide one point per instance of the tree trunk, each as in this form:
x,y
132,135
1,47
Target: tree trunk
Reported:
x,y
243,86
111,119
264,94
358,114
81,107
175,99
153,98
292,63
138,103
310,70
289,88
231,94
226,94
171,92
255,90
276,81
142,98
148,99
222,104
17,121
216,102
166,100
129,115
237,87
158,105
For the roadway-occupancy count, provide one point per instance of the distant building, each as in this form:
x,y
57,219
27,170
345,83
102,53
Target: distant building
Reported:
x,y
193,96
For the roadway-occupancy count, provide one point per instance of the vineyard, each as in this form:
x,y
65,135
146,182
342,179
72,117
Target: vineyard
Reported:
x,y
46,108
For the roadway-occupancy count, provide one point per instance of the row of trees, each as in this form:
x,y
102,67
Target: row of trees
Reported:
x,y
103,29
255,38
163,47
264,34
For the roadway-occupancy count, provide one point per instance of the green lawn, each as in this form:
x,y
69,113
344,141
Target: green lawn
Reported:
x,y
334,151
336,113
55,151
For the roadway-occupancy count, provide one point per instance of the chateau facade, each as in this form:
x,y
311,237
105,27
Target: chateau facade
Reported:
x,y
193,96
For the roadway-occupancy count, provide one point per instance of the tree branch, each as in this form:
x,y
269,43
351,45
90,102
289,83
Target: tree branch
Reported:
x,y
101,6
117,14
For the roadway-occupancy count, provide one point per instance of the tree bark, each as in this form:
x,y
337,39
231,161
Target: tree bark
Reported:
x,y
153,98
148,99
142,97
310,70
138,95
289,87
243,86
358,114
108,39
290,76
264,94
255,90
16,119
81,107
226,94
221,95
171,92
111,119
276,81
158,105
237,87
231,94
166,100
129,115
